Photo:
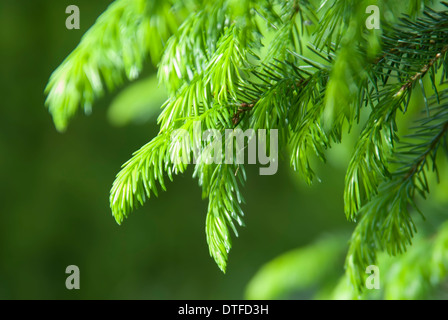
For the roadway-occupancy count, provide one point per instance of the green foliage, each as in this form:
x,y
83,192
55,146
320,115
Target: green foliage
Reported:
x,y
300,270
393,77
136,104
221,184
112,50
310,69
314,271
386,221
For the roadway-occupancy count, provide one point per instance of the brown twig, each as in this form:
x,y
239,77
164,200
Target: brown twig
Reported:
x,y
422,72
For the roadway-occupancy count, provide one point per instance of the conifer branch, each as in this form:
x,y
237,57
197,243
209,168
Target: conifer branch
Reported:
x,y
321,68
222,189
385,221
113,50
370,160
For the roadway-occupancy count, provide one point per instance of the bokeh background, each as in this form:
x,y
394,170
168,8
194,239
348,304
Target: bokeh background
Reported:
x,y
54,190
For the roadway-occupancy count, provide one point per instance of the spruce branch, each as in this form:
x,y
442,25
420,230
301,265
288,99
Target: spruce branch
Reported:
x,y
385,221
216,84
315,76
137,180
188,51
168,153
370,160
114,49
222,189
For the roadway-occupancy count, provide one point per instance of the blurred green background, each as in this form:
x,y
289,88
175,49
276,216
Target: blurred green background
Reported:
x,y
54,192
